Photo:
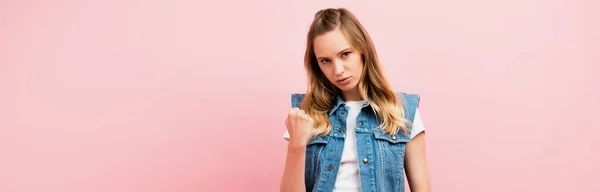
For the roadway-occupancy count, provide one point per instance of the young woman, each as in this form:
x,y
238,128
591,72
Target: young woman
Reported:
x,y
351,131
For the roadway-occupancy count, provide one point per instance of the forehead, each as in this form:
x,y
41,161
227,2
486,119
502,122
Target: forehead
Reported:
x,y
330,43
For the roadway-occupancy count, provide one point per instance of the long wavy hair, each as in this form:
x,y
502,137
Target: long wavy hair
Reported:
x,y
373,86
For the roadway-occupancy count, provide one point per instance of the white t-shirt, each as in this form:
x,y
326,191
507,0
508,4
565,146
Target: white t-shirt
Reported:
x,y
348,179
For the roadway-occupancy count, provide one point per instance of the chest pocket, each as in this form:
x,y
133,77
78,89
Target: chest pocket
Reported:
x,y
314,151
391,149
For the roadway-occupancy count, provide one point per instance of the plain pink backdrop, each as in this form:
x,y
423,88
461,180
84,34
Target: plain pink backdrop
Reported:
x,y
132,96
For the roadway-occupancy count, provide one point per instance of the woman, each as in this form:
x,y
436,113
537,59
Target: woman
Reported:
x,y
351,131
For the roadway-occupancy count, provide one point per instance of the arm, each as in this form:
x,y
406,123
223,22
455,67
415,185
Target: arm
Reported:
x,y
415,164
293,173
299,126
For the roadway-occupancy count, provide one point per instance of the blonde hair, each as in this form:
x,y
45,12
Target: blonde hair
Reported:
x,y
373,86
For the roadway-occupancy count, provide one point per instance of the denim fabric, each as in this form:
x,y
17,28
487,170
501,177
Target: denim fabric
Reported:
x,y
383,169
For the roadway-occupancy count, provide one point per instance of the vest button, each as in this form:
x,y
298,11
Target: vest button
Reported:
x,y
330,167
394,137
340,130
360,123
365,160
343,112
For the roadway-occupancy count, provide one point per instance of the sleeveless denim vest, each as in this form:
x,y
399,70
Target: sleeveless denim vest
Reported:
x,y
380,155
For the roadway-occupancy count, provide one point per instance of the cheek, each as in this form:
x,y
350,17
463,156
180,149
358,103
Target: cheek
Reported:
x,y
357,63
328,71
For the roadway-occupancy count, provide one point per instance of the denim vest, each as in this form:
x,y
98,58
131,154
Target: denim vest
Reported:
x,y
380,155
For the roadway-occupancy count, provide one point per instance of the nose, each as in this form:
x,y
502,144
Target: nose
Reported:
x,y
339,67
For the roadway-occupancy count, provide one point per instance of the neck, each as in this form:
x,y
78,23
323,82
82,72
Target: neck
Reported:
x,y
351,95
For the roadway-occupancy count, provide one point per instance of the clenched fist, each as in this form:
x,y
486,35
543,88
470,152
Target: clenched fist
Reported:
x,y
299,126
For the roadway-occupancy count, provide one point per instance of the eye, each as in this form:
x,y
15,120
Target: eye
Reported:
x,y
324,61
345,53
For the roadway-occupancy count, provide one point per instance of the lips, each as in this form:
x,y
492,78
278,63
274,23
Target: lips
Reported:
x,y
344,81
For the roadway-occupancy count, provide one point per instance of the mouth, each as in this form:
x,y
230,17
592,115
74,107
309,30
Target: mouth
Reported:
x,y
343,80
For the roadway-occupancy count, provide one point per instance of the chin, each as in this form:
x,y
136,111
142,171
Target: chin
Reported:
x,y
348,87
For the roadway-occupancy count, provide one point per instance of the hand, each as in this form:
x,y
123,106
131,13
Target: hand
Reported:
x,y
299,126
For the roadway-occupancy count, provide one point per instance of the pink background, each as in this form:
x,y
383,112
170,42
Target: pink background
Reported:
x,y
136,96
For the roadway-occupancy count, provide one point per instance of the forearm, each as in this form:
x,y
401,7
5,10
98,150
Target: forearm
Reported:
x,y
293,174
419,183
416,165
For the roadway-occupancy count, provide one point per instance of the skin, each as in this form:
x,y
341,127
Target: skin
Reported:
x,y
338,60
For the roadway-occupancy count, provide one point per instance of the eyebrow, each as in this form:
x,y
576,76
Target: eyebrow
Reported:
x,y
346,49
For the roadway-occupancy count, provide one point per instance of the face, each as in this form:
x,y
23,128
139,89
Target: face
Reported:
x,y
340,62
